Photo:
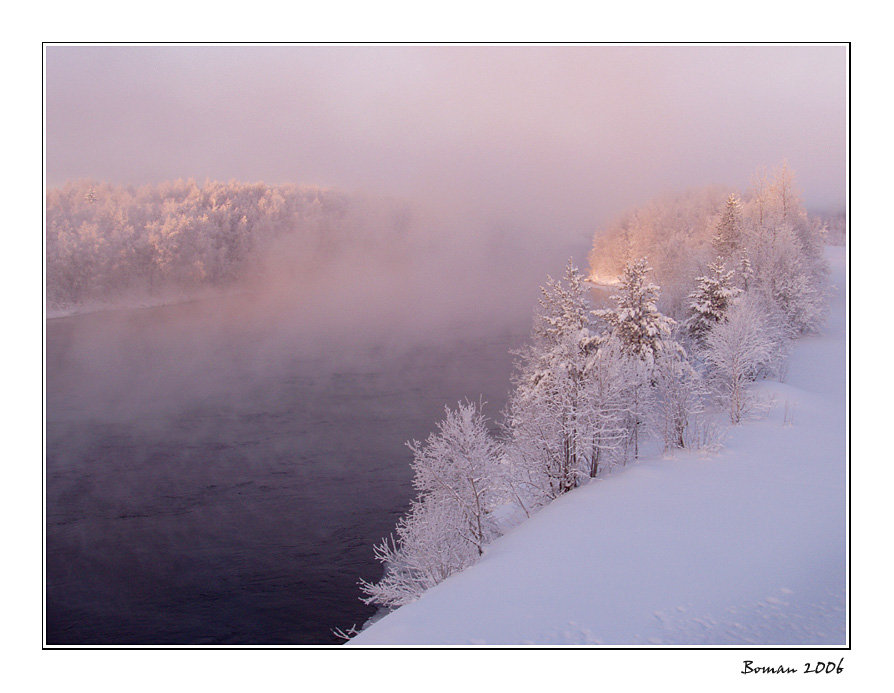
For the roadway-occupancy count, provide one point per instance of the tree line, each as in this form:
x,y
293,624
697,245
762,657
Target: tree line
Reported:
x,y
744,276
107,243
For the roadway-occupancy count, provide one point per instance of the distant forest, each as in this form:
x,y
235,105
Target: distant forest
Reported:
x,y
105,243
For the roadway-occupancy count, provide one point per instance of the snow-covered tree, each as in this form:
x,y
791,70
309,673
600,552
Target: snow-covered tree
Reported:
x,y
448,524
105,242
613,381
667,393
426,551
758,195
456,467
711,300
786,252
789,281
550,445
677,397
728,235
635,320
784,196
739,350
744,273
674,232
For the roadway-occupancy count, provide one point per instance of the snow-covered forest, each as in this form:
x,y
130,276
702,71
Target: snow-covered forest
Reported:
x,y
108,243
744,547
708,293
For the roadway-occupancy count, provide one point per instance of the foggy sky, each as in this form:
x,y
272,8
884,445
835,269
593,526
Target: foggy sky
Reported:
x,y
559,138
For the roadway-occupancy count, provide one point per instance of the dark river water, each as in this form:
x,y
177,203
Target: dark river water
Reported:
x,y
213,480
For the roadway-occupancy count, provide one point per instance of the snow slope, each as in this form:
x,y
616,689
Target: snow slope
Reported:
x,y
744,547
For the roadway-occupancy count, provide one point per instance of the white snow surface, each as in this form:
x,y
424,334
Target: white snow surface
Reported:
x,y
742,547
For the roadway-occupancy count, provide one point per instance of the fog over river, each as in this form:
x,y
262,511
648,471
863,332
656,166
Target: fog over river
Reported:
x,y
230,503
218,471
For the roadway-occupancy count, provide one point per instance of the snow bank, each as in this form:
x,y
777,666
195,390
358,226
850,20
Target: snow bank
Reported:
x,y
139,302
744,547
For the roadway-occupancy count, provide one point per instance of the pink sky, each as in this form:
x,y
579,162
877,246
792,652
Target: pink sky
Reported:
x,y
549,136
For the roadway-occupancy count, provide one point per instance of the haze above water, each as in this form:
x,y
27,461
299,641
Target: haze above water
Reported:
x,y
218,470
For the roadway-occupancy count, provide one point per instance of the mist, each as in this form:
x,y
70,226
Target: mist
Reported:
x,y
373,299
218,467
510,157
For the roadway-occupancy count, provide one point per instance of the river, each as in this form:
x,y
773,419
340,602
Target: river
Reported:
x,y
212,480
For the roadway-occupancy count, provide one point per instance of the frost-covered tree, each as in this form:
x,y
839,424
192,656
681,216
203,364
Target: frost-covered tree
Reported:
x,y
613,380
728,235
635,320
744,273
575,401
456,467
448,524
784,196
426,551
789,281
575,429
646,335
758,195
548,427
106,243
785,249
674,232
739,350
709,303
677,397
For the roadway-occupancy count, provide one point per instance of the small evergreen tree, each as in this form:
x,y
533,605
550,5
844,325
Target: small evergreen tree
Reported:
x,y
727,238
636,321
745,273
547,418
644,333
711,300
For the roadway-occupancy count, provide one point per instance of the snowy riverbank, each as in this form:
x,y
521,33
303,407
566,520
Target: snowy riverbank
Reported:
x,y
140,302
745,547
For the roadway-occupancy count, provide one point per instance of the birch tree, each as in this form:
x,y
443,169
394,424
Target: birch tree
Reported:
x,y
737,352
448,525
